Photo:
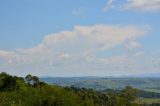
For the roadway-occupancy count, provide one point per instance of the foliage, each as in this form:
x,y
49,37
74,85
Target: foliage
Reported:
x,y
17,91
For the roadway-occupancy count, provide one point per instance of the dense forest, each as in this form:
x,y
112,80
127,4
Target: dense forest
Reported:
x,y
30,91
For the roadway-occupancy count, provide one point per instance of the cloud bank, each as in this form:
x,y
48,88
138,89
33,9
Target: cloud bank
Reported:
x,y
136,5
76,53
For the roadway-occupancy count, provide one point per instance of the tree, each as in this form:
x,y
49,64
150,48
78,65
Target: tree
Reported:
x,y
33,80
7,82
129,94
28,78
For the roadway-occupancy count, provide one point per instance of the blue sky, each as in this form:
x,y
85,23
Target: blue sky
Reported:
x,y
79,38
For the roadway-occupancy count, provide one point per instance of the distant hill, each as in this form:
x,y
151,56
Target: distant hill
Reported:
x,y
151,75
101,83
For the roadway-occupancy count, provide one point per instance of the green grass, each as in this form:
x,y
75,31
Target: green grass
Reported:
x,y
147,100
152,90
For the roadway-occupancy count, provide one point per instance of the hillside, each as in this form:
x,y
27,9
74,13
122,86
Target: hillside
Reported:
x,y
99,83
30,91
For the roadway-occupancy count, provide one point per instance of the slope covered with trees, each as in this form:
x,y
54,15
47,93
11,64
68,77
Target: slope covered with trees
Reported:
x,y
30,91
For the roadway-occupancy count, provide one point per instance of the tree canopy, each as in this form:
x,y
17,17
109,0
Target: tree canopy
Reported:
x,y
30,91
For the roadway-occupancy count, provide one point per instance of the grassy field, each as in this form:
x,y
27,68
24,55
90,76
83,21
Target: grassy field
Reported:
x,y
147,100
152,90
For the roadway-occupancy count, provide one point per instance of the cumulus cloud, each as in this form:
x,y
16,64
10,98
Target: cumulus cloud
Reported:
x,y
131,64
6,54
133,45
137,5
70,52
143,5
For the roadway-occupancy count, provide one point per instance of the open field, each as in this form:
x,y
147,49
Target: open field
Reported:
x,y
152,90
147,100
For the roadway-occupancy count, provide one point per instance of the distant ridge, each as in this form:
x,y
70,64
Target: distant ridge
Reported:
x,y
147,75
102,83
150,75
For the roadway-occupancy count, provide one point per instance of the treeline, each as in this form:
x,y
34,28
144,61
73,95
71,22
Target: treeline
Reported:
x,y
30,91
146,94
140,94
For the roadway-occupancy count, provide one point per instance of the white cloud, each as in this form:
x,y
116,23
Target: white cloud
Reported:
x,y
133,45
80,12
65,56
108,5
66,51
137,5
6,54
137,63
143,5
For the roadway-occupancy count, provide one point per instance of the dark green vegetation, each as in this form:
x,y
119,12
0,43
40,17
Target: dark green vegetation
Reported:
x,y
30,91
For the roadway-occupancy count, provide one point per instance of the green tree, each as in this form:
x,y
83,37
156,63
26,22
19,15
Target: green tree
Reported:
x,y
7,82
29,78
128,94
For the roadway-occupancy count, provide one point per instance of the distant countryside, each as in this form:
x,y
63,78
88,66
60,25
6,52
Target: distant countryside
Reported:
x,y
31,91
79,52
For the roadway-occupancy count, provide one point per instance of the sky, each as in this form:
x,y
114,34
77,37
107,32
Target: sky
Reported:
x,y
80,37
